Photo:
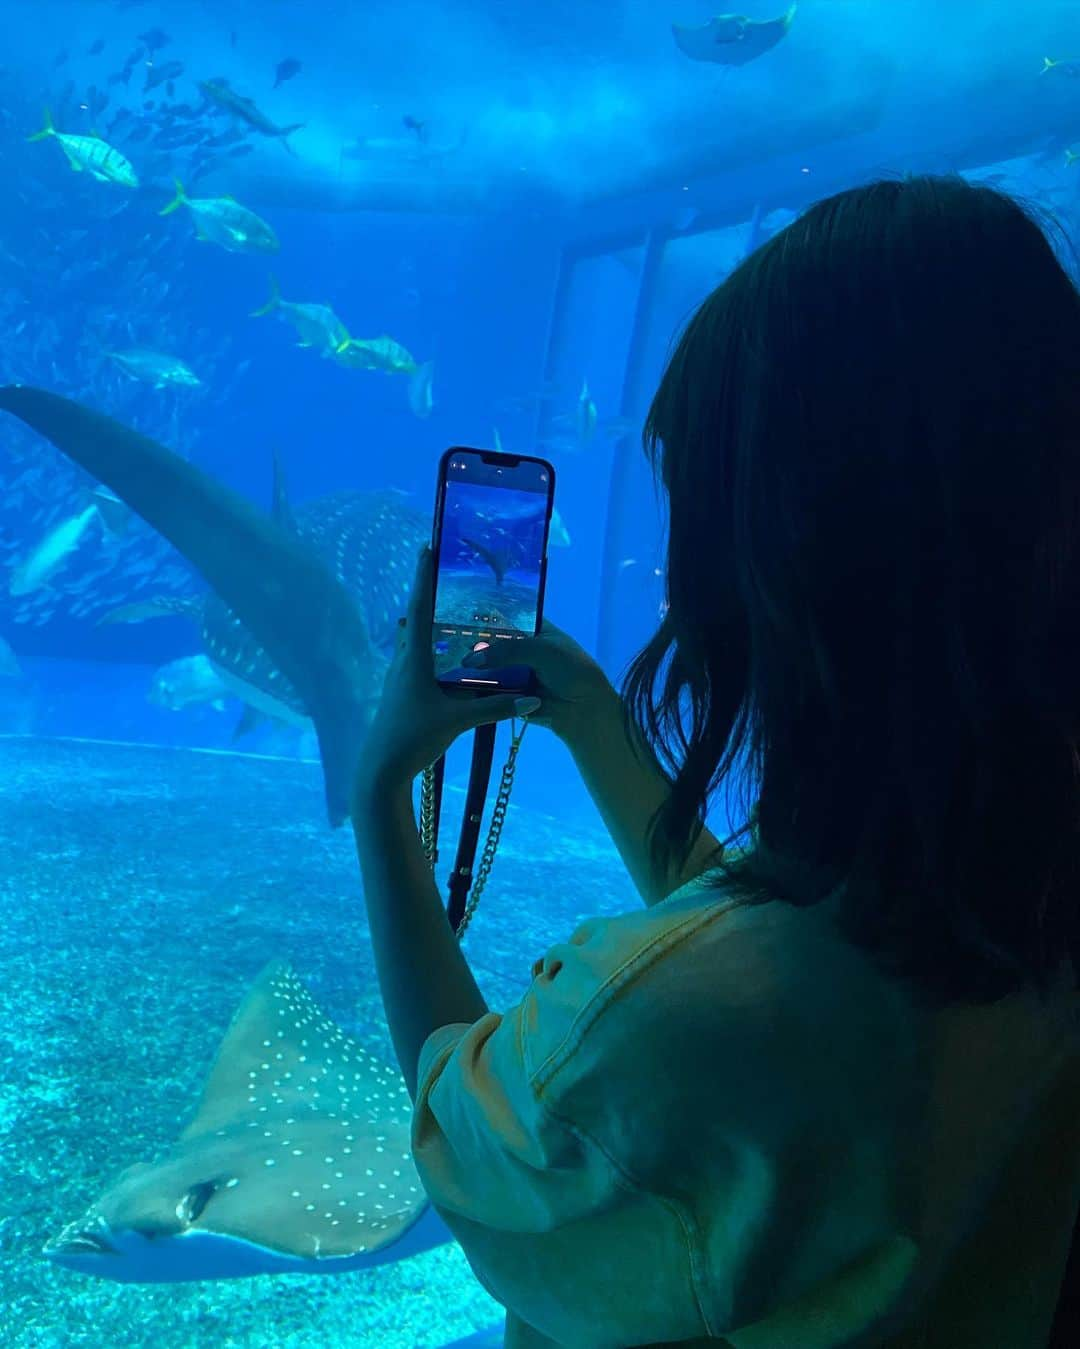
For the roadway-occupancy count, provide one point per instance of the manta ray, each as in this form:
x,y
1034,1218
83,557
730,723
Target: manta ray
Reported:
x,y
732,39
290,624
297,1160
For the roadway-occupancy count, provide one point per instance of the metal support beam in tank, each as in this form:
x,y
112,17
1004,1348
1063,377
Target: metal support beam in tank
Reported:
x,y
556,333
573,253
631,405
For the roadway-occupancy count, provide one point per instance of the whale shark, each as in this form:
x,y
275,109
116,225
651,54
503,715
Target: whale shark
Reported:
x,y
289,623
297,1160
368,540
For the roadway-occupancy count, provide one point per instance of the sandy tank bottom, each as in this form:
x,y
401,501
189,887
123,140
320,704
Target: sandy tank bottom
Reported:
x,y
142,890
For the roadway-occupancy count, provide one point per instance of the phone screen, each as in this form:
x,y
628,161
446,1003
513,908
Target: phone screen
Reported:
x,y
491,528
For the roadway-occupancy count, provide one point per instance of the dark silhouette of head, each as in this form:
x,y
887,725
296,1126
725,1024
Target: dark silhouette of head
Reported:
x,y
869,436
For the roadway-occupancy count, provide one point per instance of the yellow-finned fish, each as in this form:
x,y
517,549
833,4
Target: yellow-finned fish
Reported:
x,y
91,153
316,324
223,221
383,353
375,353
1070,67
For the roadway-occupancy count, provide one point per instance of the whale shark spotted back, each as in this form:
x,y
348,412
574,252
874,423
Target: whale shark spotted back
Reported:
x,y
369,542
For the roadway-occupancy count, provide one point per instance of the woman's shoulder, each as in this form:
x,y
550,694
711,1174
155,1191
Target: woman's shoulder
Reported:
x,y
752,1011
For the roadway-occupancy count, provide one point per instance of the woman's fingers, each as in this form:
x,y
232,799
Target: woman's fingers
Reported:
x,y
418,614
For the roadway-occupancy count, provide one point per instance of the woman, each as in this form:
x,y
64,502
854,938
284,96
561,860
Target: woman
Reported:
x,y
825,1092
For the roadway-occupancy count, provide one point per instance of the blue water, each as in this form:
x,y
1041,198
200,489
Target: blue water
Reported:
x,y
531,197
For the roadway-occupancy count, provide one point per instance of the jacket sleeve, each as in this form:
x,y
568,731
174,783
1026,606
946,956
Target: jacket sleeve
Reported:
x,y
489,1139
502,1109
506,1121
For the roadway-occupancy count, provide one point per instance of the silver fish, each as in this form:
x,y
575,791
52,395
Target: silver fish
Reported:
x,y
52,552
155,367
189,681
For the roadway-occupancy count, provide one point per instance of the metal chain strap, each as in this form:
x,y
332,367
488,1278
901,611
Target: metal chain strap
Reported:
x,y
498,819
427,815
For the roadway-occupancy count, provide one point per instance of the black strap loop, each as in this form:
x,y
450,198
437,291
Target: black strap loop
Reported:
x,y
461,877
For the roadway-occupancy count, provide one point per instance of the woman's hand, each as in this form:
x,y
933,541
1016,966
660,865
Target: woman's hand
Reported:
x,y
574,690
417,720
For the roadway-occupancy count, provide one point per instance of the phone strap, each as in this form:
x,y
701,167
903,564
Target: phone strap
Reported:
x,y
461,905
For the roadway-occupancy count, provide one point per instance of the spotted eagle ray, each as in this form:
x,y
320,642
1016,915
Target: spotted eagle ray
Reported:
x,y
297,1161
288,625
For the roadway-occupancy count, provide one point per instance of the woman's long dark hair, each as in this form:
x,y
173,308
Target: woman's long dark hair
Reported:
x,y
869,435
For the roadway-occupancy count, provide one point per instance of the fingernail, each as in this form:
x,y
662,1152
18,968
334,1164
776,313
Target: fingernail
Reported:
x,y
523,706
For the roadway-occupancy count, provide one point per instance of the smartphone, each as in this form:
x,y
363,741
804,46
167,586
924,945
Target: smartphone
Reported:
x,y
492,519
